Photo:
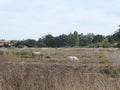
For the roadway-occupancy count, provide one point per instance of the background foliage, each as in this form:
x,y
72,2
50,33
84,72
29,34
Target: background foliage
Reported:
x,y
72,40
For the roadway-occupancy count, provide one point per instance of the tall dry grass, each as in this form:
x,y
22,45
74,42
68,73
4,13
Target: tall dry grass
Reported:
x,y
94,71
24,76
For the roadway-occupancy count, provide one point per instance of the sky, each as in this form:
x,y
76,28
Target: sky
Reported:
x,y
23,19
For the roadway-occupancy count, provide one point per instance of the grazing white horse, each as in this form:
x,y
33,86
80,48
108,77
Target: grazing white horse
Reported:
x,y
72,59
37,54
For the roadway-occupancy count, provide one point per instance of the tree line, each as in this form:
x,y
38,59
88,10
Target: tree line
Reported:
x,y
73,39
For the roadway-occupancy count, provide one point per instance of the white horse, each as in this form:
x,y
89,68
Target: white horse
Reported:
x,y
72,59
37,54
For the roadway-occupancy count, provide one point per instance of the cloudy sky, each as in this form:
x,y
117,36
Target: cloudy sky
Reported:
x,y
23,19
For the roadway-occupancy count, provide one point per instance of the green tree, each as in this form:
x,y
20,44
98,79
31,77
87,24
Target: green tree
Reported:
x,y
49,40
106,43
18,43
40,43
86,40
117,35
30,43
111,38
76,37
61,41
98,38
73,39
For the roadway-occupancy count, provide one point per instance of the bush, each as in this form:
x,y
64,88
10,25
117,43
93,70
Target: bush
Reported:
x,y
1,53
116,71
47,57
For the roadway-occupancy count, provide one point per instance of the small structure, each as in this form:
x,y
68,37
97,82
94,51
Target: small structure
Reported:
x,y
4,43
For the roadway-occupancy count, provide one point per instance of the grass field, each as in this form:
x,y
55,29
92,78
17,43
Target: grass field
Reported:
x,y
97,69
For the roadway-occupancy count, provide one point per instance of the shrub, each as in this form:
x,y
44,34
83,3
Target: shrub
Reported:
x,y
1,53
116,71
47,57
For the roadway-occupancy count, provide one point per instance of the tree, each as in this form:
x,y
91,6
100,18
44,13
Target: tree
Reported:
x,y
111,38
18,44
61,41
86,39
105,43
49,40
117,35
76,37
73,39
98,38
22,43
40,43
30,43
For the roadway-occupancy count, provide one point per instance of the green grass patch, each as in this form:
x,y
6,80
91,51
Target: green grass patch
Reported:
x,y
100,58
1,53
116,70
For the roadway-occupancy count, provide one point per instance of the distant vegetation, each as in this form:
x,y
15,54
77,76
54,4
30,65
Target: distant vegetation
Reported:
x,y
72,40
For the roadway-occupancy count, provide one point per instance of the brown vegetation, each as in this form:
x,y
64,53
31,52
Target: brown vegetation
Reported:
x,y
95,71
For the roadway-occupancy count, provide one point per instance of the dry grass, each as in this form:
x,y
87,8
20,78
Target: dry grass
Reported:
x,y
19,76
95,70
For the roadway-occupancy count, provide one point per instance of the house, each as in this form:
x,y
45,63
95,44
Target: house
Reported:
x,y
4,43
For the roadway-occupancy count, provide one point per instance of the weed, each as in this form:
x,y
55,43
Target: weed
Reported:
x,y
1,53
